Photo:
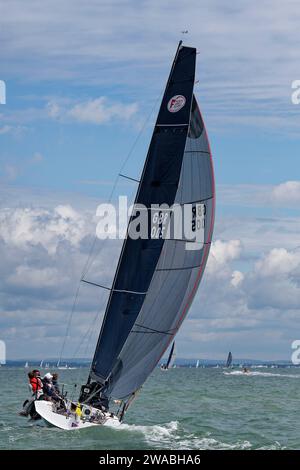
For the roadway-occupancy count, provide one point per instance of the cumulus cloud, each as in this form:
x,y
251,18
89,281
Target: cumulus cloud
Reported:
x,y
241,302
278,262
254,311
95,111
43,252
99,111
26,227
287,193
260,234
223,252
275,281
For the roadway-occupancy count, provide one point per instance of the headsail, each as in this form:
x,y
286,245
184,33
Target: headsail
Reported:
x,y
157,278
229,359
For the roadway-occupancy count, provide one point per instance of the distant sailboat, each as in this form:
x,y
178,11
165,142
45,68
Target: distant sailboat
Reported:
x,y
157,277
229,360
171,358
41,363
26,365
65,367
197,364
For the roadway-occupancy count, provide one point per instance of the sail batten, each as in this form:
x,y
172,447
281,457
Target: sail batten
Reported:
x,y
114,290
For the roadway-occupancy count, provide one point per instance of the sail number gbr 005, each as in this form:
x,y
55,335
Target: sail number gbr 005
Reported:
x,y
187,225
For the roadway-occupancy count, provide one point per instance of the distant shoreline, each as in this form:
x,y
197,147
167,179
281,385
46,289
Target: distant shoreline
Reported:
x,y
179,363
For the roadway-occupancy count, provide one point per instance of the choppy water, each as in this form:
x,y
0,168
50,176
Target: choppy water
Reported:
x,y
178,409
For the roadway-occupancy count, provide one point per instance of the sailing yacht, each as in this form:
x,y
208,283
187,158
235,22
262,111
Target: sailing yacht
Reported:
x,y
229,360
156,278
171,358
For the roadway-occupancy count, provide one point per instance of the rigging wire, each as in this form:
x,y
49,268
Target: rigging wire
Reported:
x,y
87,336
69,322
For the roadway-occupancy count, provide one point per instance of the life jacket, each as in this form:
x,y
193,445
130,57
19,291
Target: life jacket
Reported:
x,y
36,384
78,410
47,387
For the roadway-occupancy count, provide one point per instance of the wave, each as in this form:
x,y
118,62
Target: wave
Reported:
x,y
261,374
172,436
156,433
209,443
160,436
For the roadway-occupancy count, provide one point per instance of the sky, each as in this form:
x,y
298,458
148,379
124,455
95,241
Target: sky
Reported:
x,y
83,84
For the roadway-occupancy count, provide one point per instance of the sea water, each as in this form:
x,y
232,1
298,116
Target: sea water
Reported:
x,y
183,408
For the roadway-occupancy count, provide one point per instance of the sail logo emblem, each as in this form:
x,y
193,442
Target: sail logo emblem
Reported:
x,y
176,103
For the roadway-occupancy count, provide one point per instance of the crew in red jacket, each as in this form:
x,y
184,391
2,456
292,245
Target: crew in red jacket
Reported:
x,y
36,389
36,383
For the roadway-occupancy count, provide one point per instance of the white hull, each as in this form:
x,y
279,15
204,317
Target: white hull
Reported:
x,y
71,421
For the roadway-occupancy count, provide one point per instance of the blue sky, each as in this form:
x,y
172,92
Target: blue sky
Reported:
x,y
82,79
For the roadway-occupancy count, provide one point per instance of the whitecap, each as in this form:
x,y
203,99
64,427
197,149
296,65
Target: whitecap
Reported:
x,y
261,374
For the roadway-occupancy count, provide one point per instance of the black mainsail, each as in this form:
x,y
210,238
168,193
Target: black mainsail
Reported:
x,y
156,278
